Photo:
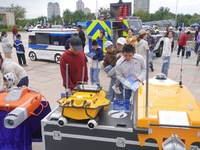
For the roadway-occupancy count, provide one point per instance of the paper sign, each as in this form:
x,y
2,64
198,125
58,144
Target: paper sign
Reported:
x,y
122,105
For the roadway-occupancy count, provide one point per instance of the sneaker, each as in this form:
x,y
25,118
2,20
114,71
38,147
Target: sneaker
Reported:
x,y
152,70
116,89
177,55
25,65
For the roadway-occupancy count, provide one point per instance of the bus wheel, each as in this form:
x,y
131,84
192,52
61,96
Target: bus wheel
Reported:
x,y
32,56
57,58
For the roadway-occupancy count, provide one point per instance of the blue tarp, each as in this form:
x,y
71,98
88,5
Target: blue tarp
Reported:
x,y
195,25
81,23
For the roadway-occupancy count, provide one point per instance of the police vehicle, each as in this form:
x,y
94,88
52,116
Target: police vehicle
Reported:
x,y
103,30
48,43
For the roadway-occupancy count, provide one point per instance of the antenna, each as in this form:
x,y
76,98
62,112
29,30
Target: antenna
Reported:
x,y
67,86
83,77
181,73
147,81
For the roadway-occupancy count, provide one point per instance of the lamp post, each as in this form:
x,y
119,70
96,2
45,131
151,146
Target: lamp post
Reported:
x,y
96,9
176,12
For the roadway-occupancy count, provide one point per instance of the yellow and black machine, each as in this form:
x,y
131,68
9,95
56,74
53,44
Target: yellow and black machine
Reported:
x,y
85,104
164,112
170,116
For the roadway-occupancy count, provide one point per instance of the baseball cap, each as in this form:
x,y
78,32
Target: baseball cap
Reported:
x,y
121,41
142,32
76,43
171,28
107,44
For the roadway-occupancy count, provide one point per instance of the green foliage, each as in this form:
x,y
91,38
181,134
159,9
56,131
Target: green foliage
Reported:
x,y
104,12
67,16
1,17
77,16
19,12
164,13
54,19
144,16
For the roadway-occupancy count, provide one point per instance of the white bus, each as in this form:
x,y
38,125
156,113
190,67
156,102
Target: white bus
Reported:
x,y
48,44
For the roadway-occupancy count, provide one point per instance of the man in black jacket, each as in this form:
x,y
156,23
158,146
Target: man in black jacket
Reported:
x,y
81,35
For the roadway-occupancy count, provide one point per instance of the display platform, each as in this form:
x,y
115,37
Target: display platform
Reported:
x,y
21,137
114,132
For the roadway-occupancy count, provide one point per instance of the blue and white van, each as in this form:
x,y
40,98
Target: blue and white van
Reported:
x,y
48,43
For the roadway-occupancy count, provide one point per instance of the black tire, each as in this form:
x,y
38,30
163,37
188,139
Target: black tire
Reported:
x,y
160,50
57,58
32,56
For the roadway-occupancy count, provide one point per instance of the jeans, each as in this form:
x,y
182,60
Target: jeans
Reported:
x,y
94,75
23,82
111,95
188,54
196,47
128,94
181,48
165,66
21,59
151,60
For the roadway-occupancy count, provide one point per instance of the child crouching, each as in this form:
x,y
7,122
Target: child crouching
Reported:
x,y
109,64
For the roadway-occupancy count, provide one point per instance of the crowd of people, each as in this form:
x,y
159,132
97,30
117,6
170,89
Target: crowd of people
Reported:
x,y
128,60
13,73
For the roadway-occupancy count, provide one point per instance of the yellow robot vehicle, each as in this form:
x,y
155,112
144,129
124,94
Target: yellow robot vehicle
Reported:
x,y
169,115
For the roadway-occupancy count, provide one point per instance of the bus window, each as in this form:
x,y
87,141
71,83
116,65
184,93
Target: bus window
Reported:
x,y
42,38
117,25
135,25
32,39
58,40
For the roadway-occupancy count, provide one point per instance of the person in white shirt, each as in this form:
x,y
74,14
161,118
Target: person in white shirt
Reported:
x,y
166,52
6,46
20,76
131,65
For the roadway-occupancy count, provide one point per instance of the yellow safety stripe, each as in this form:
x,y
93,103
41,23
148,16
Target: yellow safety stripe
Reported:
x,y
96,35
125,34
92,25
126,23
105,26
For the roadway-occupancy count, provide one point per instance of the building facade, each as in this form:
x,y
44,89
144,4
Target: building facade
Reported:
x,y
87,10
141,5
8,17
80,5
53,9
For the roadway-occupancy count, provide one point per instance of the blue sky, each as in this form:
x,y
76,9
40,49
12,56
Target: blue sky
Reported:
x,y
37,8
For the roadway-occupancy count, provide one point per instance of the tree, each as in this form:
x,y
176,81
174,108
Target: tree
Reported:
x,y
144,16
19,12
79,16
163,13
104,12
90,16
67,16
195,18
56,19
1,17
